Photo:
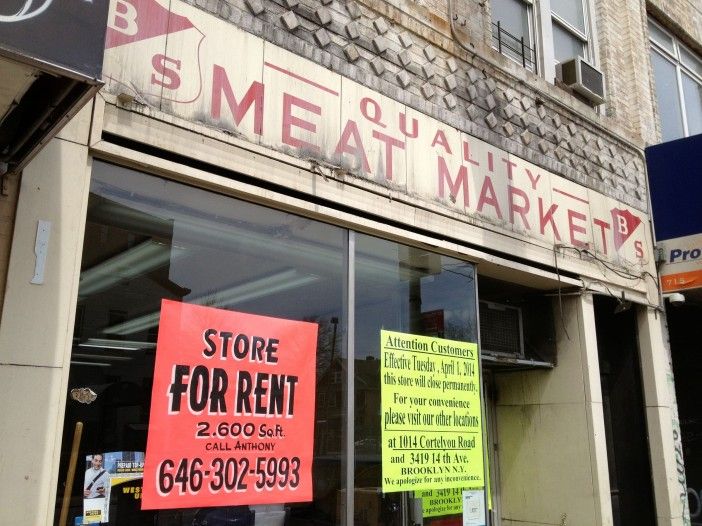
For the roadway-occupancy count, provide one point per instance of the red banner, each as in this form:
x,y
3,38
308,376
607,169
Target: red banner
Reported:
x,y
232,410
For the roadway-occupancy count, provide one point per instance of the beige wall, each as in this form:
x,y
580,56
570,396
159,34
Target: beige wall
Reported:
x,y
551,434
553,459
37,326
624,59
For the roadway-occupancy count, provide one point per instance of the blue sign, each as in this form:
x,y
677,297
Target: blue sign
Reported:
x,y
675,178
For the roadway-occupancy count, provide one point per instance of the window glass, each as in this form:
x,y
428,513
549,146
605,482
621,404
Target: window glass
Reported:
x,y
667,96
660,37
149,239
570,11
691,61
675,70
692,91
410,290
513,17
566,45
512,31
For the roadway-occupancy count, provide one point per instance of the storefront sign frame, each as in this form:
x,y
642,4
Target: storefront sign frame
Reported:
x,y
266,100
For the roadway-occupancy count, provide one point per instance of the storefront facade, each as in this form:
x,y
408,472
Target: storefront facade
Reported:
x,y
222,169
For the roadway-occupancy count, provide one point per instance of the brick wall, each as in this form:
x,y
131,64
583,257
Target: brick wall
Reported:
x,y
624,59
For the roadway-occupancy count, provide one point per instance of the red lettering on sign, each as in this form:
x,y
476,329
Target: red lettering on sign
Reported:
x,y
466,154
390,143
376,116
403,126
514,208
488,197
533,179
454,186
574,228
289,120
137,20
547,218
344,146
638,246
624,225
604,226
510,165
254,95
440,139
159,64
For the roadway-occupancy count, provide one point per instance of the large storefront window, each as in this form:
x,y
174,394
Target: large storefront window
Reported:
x,y
148,240
408,290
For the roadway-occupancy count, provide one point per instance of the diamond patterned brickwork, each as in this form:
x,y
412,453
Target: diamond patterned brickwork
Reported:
x,y
422,68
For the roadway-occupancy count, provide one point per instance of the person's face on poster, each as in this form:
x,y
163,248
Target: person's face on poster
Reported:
x,y
96,461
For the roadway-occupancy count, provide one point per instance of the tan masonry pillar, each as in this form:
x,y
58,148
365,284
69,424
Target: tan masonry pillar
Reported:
x,y
669,486
551,434
37,323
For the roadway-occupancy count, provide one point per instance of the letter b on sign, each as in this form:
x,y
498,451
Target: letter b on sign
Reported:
x,y
122,17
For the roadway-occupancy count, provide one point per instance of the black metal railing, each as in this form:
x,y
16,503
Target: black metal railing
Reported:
x,y
513,47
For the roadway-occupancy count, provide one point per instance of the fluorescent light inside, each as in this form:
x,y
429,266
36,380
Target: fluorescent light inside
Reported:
x,y
129,264
91,364
107,357
258,288
120,345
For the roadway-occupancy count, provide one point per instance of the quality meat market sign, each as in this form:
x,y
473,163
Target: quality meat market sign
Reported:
x,y
193,65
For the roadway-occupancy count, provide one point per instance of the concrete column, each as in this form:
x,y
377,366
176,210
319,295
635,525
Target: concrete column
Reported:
x,y
553,455
37,325
669,485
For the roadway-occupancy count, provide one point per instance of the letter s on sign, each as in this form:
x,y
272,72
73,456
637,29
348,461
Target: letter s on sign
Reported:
x,y
171,79
638,245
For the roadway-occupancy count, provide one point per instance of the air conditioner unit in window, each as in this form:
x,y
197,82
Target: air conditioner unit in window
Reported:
x,y
501,330
583,78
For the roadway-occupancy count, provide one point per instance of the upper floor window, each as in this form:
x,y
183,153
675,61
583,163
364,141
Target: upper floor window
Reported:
x,y
512,31
677,73
546,32
569,29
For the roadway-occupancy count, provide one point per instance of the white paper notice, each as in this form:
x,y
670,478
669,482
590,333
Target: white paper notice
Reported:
x,y
474,507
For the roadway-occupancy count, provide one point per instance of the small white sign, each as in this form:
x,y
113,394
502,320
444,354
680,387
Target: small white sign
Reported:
x,y
474,507
41,247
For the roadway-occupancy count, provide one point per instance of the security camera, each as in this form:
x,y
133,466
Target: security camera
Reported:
x,y
675,298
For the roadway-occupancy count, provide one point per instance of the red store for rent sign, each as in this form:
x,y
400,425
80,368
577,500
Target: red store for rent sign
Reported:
x,y
230,391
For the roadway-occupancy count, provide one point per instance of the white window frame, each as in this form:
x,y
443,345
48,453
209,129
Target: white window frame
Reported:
x,y
584,37
542,20
550,18
676,59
